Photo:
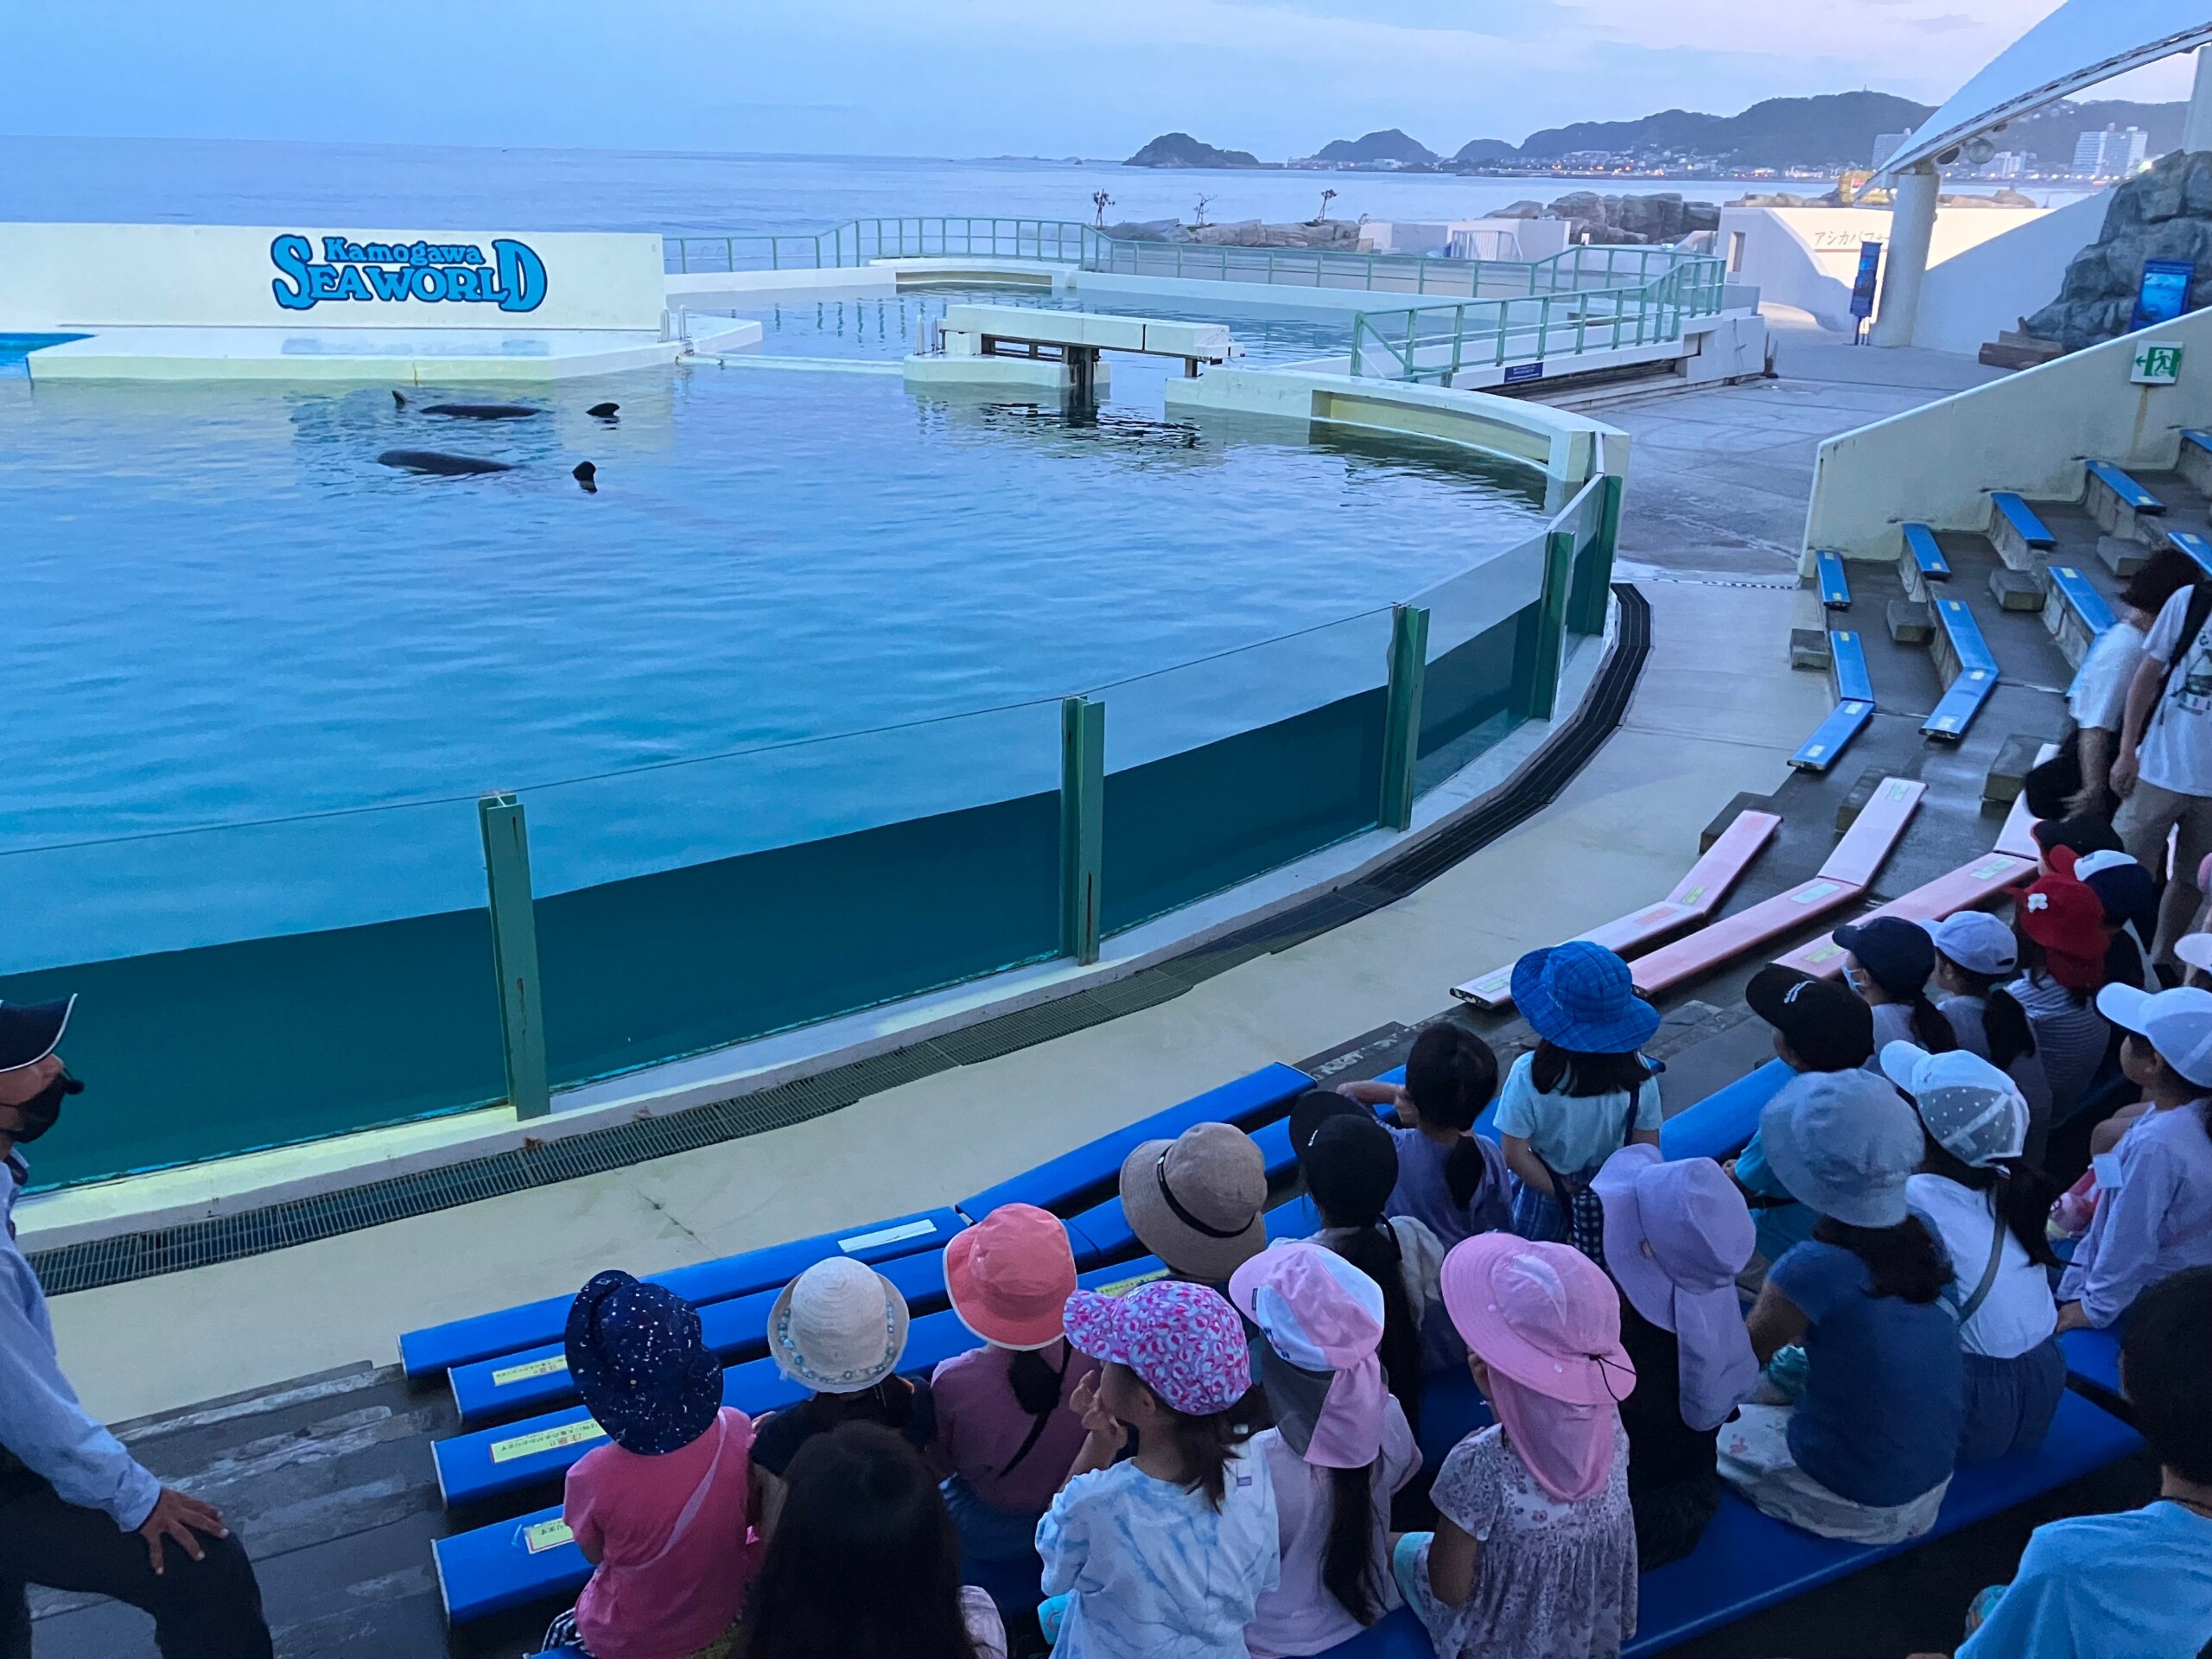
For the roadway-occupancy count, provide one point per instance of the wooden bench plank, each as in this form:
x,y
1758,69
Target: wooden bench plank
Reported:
x,y
1695,897
1859,857
1732,936
1968,887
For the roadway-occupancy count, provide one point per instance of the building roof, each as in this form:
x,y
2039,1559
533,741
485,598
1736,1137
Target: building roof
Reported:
x,y
2083,42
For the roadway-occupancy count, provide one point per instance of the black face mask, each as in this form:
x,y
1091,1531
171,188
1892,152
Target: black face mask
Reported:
x,y
41,1112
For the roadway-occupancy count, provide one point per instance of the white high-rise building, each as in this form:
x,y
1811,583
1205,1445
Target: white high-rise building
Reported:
x,y
2113,153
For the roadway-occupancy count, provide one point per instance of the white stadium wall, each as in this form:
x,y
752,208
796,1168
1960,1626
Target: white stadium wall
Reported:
x,y
1807,257
1973,297
58,278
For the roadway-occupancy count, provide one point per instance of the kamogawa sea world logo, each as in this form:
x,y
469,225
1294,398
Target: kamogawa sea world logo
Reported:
x,y
512,278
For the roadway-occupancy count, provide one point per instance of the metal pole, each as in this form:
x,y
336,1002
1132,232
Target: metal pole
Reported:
x,y
514,951
1083,823
1401,714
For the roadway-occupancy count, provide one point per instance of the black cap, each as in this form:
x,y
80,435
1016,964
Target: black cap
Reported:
x,y
2085,834
1313,1108
1350,1167
1824,1024
1898,956
31,1030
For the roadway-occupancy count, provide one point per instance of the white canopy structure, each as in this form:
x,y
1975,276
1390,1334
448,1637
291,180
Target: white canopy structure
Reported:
x,y
2079,45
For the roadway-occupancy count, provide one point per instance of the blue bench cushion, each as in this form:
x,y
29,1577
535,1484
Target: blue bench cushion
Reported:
x,y
2092,1357
510,1564
2082,597
1718,1125
1949,719
1832,737
2131,493
439,1347
1848,660
2022,517
2195,546
1920,546
1835,586
1746,1561
1082,1179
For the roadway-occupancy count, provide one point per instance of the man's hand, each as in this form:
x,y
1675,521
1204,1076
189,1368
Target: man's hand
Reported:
x,y
2124,772
180,1516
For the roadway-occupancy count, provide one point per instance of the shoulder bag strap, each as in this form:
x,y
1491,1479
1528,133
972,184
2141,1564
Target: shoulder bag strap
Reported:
x,y
1036,1424
698,1499
1973,1304
2192,624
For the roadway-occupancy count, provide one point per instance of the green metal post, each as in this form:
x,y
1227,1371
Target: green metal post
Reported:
x,y
514,951
1539,637
1401,714
1083,823
1593,566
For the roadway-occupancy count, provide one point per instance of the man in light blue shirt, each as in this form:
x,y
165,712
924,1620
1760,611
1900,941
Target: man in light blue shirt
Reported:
x,y
2137,1586
76,1511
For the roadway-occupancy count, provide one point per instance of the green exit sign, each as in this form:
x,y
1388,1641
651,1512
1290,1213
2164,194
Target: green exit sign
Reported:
x,y
2156,364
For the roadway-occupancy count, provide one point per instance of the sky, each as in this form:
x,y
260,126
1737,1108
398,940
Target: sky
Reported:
x,y
963,78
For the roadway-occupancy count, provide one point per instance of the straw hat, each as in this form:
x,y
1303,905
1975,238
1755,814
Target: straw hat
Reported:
x,y
839,1327
1195,1201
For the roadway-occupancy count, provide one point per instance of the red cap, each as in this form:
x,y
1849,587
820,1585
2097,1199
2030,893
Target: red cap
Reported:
x,y
2067,920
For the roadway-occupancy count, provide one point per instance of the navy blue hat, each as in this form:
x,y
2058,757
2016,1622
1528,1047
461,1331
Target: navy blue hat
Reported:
x,y
636,1355
2127,891
31,1030
1897,955
1581,996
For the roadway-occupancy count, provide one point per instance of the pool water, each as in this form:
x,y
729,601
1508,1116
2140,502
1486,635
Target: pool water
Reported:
x,y
223,611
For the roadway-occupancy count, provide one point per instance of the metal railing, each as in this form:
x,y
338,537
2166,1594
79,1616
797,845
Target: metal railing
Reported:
x,y
1058,241
1435,342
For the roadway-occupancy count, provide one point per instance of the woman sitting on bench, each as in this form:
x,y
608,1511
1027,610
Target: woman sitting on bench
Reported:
x,y
1988,1208
1866,1453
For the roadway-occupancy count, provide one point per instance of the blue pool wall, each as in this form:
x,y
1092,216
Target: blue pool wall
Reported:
x,y
194,1054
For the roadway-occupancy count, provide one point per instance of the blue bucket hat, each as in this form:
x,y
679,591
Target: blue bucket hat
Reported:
x,y
1581,996
636,1355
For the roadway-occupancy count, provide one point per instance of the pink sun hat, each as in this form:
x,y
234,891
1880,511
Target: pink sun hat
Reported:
x,y
1184,1341
1009,1277
1544,1315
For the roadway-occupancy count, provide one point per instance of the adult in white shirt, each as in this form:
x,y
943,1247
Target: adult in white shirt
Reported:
x,y
2163,770
2098,697
1988,1209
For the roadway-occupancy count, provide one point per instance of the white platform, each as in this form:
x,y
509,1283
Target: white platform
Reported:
x,y
382,356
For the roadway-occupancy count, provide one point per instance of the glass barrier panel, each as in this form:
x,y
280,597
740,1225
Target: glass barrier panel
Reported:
x,y
1474,633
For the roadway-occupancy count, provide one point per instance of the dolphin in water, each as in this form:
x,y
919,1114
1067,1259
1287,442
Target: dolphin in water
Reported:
x,y
586,475
603,412
440,464
476,411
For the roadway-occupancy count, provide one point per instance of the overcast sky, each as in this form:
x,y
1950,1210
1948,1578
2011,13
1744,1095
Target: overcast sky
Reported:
x,y
1093,78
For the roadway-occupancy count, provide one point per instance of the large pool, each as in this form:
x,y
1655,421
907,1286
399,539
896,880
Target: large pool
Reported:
x,y
222,611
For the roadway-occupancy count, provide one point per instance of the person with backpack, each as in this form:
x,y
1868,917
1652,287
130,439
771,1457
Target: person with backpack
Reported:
x,y
2163,770
1582,1094
2097,698
1987,1207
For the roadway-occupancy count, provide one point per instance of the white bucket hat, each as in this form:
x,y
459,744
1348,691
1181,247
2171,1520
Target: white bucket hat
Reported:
x,y
839,1327
1972,1110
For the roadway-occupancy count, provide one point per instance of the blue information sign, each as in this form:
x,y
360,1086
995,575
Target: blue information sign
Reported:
x,y
1862,285
2165,293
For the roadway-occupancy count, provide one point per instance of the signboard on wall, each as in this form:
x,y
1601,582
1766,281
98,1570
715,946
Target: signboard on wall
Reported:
x,y
1862,285
2156,363
62,278
2164,294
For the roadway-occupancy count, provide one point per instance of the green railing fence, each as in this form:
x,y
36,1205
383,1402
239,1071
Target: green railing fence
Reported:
x,y
933,853
1435,342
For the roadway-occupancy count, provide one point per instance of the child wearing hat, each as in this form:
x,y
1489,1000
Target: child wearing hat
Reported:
x,y
1452,1181
1866,1453
1676,1236
1195,1202
1006,1433
1987,1206
1888,962
1584,1091
2058,925
1975,955
1819,1026
1340,1445
1168,1550
1535,1548
1351,1165
839,1329
663,1510
2154,1207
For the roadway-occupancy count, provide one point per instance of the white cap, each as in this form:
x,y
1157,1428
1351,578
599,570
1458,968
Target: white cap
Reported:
x,y
2195,950
2178,1023
1977,941
1974,1111
2104,858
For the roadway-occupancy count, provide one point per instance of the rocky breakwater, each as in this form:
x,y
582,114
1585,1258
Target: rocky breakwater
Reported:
x,y
1335,235
1652,220
2164,213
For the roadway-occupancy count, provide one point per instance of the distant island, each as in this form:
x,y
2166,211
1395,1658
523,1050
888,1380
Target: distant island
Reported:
x,y
1180,149
1780,135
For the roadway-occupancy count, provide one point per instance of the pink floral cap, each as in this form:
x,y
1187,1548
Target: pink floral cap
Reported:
x,y
1184,1341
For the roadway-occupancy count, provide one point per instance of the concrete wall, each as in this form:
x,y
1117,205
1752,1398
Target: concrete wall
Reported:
x,y
1976,294
1807,257
2029,432
64,278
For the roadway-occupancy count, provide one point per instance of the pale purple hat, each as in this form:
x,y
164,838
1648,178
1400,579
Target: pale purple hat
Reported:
x,y
1676,1235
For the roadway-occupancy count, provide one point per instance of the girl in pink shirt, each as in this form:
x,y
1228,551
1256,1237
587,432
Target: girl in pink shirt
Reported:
x,y
665,1511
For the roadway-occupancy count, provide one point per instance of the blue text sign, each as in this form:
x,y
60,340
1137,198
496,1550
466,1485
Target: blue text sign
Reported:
x,y
513,277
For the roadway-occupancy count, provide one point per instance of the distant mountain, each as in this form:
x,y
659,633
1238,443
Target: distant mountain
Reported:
x,y
1180,149
1391,145
1487,150
1836,130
